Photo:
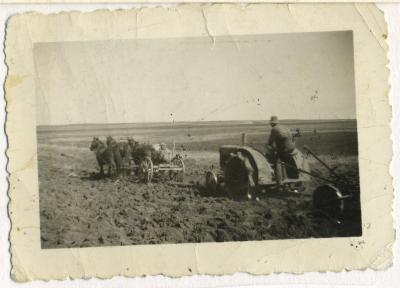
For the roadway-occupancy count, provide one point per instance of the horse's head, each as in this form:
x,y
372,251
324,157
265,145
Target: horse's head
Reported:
x,y
110,141
95,143
132,142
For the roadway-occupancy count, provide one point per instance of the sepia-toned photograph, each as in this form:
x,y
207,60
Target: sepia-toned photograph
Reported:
x,y
197,139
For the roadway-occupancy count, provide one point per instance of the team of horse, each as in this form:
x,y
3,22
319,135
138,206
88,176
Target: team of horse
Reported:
x,y
119,156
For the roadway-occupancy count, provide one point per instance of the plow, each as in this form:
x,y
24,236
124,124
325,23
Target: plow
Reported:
x,y
129,157
146,169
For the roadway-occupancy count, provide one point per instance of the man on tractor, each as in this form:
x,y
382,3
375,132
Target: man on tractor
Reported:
x,y
279,149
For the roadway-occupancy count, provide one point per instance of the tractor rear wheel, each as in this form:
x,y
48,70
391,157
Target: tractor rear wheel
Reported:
x,y
238,178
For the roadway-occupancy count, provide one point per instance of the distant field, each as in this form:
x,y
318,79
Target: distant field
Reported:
x,y
132,127
319,135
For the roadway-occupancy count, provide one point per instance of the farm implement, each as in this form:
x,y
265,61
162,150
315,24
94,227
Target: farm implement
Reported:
x,y
128,157
175,169
245,172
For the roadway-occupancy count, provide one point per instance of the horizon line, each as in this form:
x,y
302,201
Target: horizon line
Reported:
x,y
200,121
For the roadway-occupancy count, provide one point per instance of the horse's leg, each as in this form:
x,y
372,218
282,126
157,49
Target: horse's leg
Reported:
x,y
120,164
101,168
125,165
111,168
122,168
118,161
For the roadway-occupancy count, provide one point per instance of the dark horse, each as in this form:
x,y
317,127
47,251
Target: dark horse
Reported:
x,y
104,156
133,152
115,149
141,151
123,153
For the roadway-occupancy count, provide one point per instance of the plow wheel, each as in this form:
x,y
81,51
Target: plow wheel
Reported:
x,y
179,169
146,170
328,199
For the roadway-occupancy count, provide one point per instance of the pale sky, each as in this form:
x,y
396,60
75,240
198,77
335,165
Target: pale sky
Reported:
x,y
293,76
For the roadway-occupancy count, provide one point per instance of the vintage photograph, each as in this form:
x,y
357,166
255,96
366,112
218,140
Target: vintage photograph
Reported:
x,y
197,139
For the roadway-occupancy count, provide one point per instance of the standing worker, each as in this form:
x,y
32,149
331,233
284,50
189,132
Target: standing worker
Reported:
x,y
281,144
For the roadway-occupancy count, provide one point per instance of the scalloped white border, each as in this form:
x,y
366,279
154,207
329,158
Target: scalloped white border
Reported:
x,y
367,278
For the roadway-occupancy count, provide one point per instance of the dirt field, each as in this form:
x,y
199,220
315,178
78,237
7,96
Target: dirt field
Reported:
x,y
79,209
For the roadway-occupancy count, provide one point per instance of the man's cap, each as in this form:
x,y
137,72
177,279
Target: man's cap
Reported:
x,y
274,120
